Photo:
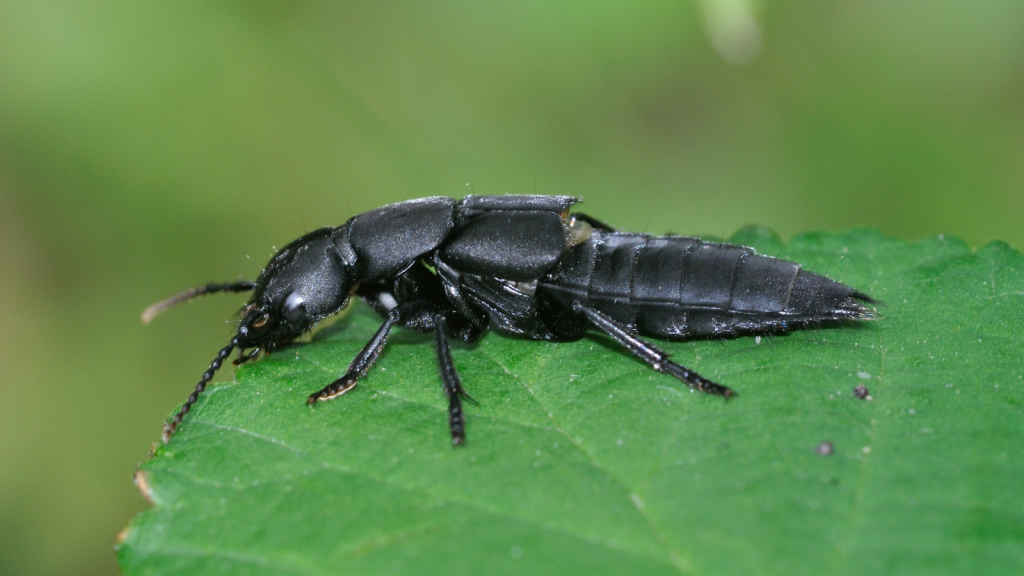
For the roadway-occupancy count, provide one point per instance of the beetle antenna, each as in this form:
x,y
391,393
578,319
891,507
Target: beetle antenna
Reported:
x,y
207,376
156,309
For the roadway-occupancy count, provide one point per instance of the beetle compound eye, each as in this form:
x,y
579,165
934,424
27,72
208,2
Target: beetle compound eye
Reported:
x,y
294,307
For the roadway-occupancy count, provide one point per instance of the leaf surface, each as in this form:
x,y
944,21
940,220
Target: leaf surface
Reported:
x,y
581,460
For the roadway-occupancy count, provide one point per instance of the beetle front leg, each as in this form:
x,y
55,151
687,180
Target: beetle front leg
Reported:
x,y
360,364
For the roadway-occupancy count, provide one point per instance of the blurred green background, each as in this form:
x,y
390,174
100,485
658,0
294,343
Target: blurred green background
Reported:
x,y
148,147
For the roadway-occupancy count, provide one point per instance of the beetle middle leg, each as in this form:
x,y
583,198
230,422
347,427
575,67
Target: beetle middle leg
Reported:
x,y
452,384
655,357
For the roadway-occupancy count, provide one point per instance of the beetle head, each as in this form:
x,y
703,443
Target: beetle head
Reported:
x,y
305,282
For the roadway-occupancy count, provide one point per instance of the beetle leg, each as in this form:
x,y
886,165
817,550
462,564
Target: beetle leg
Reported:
x,y
655,357
360,364
451,382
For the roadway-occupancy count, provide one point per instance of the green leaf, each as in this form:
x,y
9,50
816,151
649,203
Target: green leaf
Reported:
x,y
581,460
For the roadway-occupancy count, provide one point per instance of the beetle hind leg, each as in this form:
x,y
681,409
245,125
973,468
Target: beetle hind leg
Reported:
x,y
654,357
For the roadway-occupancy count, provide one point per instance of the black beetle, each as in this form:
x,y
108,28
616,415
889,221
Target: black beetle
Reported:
x,y
528,267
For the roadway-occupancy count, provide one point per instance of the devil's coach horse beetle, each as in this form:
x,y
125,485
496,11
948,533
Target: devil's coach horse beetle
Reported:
x,y
527,266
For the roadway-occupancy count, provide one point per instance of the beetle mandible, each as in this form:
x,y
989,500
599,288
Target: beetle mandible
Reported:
x,y
526,266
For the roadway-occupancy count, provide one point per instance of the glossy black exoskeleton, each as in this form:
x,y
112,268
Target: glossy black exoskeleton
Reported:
x,y
526,266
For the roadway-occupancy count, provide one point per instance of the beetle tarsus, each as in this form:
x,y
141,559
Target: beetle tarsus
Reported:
x,y
334,389
696,381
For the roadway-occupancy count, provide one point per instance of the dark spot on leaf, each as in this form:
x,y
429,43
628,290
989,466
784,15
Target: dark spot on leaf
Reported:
x,y
861,391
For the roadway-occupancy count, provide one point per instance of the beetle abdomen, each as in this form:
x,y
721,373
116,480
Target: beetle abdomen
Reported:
x,y
677,287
